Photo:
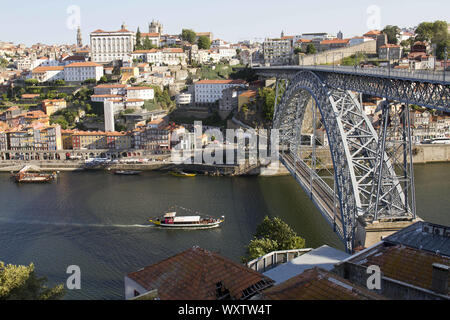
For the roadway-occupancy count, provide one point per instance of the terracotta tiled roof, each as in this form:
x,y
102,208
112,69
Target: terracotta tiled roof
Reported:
x,y
116,85
220,82
45,69
83,64
194,274
318,284
343,41
406,264
372,32
150,35
139,88
248,94
30,95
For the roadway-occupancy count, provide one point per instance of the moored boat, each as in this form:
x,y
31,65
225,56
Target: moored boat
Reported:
x,y
127,172
182,174
27,176
170,220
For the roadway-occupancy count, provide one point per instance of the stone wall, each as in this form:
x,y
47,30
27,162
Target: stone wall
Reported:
x,y
325,57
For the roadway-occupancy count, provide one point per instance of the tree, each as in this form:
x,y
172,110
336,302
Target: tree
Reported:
x,y
392,33
31,82
297,50
188,35
435,33
138,40
103,79
204,42
273,235
21,283
310,49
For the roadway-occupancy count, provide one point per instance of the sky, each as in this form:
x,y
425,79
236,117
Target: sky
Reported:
x,y
55,21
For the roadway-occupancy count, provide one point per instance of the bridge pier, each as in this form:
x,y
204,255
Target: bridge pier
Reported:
x,y
377,230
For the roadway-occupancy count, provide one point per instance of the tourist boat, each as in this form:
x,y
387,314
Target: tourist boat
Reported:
x,y
182,174
127,172
170,220
26,176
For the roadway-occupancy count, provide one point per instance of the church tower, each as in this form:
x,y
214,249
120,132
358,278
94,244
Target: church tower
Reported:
x,y
79,39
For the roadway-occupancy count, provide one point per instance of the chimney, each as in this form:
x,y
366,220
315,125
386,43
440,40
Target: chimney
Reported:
x,y
439,283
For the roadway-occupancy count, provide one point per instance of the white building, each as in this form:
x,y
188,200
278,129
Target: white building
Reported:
x,y
107,46
109,116
158,57
44,74
154,37
210,91
82,71
144,93
116,89
184,99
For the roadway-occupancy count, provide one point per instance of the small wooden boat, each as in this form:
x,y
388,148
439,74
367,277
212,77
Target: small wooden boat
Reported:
x,y
127,172
170,220
182,174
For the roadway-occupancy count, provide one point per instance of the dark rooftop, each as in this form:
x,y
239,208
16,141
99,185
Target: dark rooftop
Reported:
x,y
318,284
197,274
424,236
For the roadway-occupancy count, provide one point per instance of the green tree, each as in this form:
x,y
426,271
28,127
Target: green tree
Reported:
x,y
21,283
392,33
188,35
204,42
310,49
435,33
3,63
297,50
31,82
138,45
103,79
273,235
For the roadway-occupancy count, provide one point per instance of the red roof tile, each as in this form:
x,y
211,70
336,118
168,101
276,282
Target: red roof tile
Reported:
x,y
193,275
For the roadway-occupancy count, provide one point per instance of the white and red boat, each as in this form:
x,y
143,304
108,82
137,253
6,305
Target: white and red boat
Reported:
x,y
170,220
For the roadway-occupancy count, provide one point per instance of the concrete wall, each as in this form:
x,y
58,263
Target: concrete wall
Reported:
x,y
431,153
327,56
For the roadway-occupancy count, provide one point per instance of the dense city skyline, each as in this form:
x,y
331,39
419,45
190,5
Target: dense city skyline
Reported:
x,y
229,21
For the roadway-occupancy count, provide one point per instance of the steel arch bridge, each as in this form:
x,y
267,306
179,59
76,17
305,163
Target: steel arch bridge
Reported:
x,y
372,176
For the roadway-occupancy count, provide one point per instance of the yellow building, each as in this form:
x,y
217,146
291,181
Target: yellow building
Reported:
x,y
51,106
83,140
133,71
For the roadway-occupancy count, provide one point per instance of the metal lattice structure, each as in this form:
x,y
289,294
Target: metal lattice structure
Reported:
x,y
372,171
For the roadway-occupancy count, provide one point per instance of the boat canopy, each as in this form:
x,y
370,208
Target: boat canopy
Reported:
x,y
170,215
187,219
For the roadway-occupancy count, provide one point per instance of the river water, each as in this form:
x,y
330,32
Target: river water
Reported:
x,y
97,220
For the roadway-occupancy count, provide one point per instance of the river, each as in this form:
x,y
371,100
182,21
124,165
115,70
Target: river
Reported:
x,y
97,220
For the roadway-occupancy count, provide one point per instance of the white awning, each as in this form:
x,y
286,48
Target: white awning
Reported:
x,y
187,219
170,215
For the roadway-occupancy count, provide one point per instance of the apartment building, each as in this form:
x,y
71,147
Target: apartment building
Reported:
x,y
82,71
210,91
278,51
158,57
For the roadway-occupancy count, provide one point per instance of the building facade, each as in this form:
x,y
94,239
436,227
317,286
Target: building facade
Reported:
x,y
108,46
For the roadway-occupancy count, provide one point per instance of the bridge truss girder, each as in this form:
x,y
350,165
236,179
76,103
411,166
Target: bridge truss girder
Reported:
x,y
355,151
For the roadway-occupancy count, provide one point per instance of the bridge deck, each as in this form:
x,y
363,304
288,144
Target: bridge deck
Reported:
x,y
319,192
411,75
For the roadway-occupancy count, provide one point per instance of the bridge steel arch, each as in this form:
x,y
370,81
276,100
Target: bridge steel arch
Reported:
x,y
354,147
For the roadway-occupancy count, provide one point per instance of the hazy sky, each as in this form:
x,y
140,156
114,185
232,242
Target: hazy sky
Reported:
x,y
48,21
